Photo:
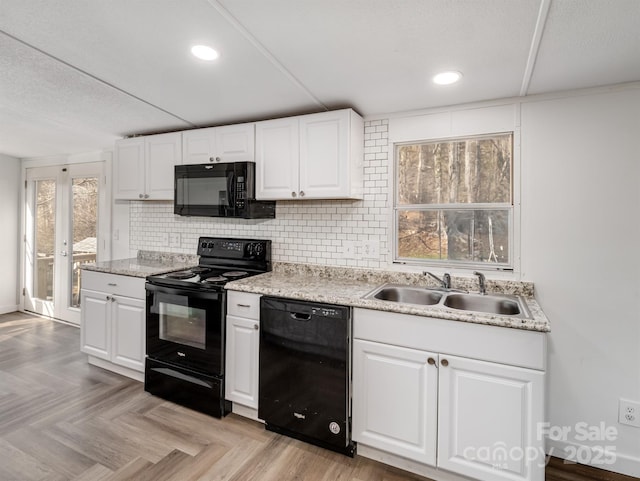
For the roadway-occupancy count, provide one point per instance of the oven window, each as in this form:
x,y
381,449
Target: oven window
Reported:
x,y
183,325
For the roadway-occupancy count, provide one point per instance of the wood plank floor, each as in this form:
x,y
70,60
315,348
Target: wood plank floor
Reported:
x,y
62,419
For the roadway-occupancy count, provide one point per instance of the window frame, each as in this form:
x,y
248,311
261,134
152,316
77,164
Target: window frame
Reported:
x,y
513,207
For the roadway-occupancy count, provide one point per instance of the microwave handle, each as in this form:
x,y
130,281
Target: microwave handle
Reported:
x,y
231,185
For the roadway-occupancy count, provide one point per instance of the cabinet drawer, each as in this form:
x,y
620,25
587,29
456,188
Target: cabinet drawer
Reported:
x,y
243,304
114,284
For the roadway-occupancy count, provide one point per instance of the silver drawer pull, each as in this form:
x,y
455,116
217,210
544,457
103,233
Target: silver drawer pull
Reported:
x,y
112,284
243,305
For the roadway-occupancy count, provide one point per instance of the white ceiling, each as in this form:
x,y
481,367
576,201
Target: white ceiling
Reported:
x,y
76,75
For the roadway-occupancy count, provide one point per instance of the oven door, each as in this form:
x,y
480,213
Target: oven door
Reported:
x,y
186,327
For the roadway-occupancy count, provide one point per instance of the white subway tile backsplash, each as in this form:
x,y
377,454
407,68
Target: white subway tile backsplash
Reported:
x,y
303,231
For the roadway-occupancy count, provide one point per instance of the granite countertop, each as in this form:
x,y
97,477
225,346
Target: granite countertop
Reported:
x,y
147,263
348,286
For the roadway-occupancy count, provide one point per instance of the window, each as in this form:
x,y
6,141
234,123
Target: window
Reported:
x,y
454,201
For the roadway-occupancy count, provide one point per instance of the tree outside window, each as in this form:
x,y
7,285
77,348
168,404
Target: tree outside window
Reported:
x,y
454,201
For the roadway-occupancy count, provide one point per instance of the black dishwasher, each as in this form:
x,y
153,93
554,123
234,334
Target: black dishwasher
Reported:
x,y
305,372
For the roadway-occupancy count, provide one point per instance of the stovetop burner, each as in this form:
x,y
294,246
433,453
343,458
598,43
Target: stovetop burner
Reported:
x,y
181,274
235,273
215,279
199,269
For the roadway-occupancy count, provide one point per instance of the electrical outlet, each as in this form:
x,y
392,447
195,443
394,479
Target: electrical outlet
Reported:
x,y
349,249
174,239
629,413
370,249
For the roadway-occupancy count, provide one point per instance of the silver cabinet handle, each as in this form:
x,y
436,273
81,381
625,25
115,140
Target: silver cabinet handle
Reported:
x,y
302,193
112,284
243,305
255,326
140,196
444,362
108,298
218,159
146,196
293,194
431,361
211,159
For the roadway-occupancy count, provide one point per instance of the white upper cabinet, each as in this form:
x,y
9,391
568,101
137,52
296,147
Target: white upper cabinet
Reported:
x,y
144,167
128,168
316,156
278,159
230,143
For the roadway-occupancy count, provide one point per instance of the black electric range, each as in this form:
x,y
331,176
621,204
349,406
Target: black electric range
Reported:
x,y
185,320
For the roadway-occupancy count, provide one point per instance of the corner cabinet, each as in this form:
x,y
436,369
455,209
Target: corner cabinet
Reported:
x,y
454,396
143,167
316,156
112,329
229,143
242,350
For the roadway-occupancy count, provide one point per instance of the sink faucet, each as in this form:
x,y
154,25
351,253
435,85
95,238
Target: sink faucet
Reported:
x,y
481,282
444,282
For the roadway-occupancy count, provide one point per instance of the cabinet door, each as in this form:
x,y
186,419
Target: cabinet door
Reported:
x,y
277,159
95,330
324,155
128,324
235,143
487,420
241,379
128,169
394,400
163,153
198,146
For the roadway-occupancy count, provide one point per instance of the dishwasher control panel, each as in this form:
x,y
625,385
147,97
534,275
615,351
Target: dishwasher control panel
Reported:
x,y
326,312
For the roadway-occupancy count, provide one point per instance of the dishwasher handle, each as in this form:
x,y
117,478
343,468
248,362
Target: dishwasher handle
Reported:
x,y
300,316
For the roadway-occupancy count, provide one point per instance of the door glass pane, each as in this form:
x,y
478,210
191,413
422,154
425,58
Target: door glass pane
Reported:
x,y
183,325
45,234
84,193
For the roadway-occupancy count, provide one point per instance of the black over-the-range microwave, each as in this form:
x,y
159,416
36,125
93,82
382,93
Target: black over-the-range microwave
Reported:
x,y
219,190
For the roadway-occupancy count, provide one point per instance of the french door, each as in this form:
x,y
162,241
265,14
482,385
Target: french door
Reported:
x,y
61,233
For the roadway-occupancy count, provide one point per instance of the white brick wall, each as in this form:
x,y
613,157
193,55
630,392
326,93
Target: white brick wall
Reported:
x,y
312,232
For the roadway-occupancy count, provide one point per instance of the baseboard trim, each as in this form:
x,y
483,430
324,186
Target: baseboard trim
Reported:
x,y
594,457
246,412
123,371
407,464
9,309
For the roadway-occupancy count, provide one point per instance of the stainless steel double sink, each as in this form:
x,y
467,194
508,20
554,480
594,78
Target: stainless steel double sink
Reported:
x,y
499,304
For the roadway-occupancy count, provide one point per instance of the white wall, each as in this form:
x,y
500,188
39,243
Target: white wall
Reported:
x,y
9,213
581,247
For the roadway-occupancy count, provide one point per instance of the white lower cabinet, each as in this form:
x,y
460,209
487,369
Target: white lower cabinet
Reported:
x,y
395,400
486,420
243,336
242,350
473,417
113,325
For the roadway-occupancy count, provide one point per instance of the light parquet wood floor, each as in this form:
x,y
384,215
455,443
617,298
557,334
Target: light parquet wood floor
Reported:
x,y
62,419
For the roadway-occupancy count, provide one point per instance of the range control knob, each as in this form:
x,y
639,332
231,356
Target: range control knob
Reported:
x,y
210,245
203,245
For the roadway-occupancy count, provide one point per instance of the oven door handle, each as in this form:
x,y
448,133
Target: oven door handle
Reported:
x,y
183,292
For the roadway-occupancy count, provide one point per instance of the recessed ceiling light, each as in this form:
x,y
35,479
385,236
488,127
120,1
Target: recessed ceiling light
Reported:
x,y
204,52
447,78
